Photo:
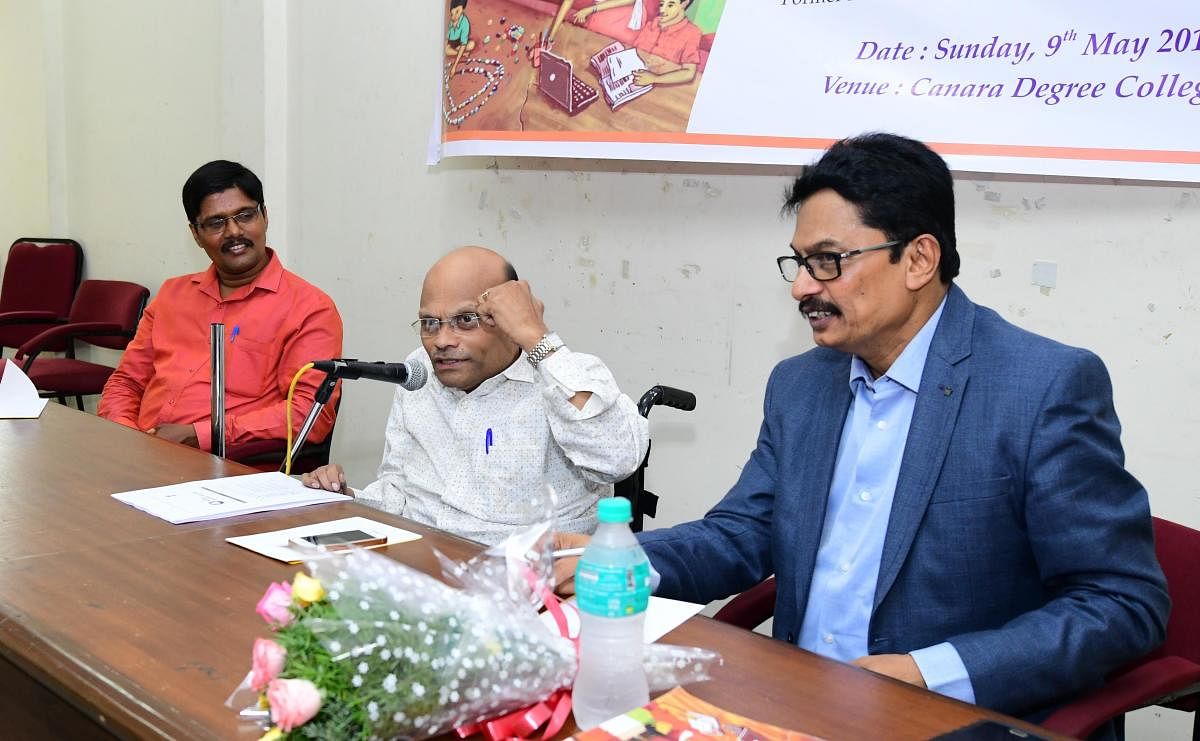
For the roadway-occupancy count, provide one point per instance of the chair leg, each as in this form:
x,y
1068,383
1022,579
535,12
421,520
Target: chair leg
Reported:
x,y
79,402
61,400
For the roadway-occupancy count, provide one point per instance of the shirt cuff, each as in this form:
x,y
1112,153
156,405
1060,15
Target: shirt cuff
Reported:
x,y
944,671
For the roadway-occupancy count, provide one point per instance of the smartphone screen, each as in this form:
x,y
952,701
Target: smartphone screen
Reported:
x,y
345,537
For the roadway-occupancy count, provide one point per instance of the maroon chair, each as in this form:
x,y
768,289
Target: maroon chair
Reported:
x,y
105,313
40,280
267,455
1168,676
751,608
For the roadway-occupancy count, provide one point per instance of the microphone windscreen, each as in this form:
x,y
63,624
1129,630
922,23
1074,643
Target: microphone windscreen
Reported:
x,y
416,376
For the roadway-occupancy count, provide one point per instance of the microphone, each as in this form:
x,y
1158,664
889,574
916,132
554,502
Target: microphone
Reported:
x,y
409,374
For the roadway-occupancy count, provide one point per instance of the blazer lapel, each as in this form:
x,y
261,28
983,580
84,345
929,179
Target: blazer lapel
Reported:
x,y
943,383
812,471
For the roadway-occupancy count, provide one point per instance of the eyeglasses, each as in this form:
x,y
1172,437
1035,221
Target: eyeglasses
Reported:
x,y
216,224
823,265
427,326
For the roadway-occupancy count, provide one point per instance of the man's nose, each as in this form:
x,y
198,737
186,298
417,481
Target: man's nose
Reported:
x,y
445,337
232,227
805,285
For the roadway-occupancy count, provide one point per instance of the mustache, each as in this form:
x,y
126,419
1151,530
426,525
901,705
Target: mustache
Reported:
x,y
235,241
809,305
437,357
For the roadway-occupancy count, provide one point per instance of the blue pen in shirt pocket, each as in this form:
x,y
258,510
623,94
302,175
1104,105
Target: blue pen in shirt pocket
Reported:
x,y
487,442
233,335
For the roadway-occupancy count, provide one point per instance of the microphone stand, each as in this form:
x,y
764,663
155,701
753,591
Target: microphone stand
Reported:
x,y
324,391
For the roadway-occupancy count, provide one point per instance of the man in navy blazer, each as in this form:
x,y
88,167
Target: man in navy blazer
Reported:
x,y
941,495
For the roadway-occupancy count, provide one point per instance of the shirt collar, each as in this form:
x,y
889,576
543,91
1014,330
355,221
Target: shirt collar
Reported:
x,y
269,280
907,369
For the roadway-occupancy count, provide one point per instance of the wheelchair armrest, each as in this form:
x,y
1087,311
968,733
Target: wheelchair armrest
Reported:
x,y
668,396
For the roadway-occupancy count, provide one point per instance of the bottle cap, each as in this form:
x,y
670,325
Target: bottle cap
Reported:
x,y
615,509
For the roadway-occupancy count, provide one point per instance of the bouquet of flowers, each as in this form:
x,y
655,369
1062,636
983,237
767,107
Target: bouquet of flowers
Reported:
x,y
368,648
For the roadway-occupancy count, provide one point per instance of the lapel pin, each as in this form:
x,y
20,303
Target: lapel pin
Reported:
x,y
946,390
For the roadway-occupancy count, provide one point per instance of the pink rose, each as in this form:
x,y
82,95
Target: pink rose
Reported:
x,y
293,702
275,603
268,657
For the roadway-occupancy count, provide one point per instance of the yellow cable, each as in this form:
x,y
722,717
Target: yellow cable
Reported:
x,y
287,461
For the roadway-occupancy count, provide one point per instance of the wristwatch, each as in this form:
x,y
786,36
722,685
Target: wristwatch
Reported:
x,y
542,350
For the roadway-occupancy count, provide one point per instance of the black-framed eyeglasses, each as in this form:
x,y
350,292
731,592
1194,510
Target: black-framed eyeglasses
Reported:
x,y
216,224
824,265
428,326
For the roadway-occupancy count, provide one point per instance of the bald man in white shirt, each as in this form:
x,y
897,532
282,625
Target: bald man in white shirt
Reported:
x,y
508,410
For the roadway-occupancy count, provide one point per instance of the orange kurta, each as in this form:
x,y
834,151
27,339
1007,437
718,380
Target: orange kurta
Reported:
x,y
282,322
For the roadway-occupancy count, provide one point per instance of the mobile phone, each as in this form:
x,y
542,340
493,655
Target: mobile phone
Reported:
x,y
339,541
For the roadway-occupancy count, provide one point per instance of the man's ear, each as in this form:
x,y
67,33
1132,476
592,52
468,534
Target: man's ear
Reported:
x,y
924,256
195,235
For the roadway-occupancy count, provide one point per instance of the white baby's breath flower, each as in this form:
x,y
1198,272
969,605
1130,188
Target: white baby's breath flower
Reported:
x,y
352,627
399,717
385,654
394,615
364,605
373,711
356,680
389,683
335,646
363,668
418,690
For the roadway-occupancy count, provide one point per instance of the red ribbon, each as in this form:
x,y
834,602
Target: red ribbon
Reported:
x,y
553,711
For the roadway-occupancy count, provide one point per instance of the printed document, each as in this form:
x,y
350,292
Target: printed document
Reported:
x,y
235,495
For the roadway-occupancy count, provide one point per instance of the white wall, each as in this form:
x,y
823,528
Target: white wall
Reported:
x,y
664,269
24,200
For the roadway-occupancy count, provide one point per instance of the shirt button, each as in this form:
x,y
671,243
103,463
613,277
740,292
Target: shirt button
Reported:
x,y
882,424
864,495
844,568
829,637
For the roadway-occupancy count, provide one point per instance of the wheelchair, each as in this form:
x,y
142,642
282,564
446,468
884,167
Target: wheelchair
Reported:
x,y
645,503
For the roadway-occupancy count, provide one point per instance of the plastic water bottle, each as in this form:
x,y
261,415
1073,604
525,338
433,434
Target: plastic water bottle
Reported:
x,y
612,582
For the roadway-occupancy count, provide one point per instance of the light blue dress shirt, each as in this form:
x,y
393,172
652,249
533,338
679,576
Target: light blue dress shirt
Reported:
x,y
842,593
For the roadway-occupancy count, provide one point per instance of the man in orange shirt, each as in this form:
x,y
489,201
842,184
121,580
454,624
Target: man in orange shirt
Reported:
x,y
274,323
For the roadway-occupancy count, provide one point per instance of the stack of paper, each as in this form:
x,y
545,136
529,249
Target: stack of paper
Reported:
x,y
216,498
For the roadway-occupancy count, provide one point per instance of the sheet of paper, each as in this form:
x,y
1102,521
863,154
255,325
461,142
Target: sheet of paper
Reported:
x,y
624,63
662,616
18,396
212,499
275,544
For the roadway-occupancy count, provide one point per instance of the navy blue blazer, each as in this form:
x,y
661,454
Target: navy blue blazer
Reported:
x,y
1016,533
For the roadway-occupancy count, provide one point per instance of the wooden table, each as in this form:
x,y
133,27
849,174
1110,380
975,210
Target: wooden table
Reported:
x,y
115,623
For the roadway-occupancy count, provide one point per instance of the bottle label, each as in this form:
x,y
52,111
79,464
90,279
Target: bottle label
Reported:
x,y
613,591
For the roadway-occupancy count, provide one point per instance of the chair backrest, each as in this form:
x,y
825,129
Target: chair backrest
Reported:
x,y
1178,549
41,274
115,301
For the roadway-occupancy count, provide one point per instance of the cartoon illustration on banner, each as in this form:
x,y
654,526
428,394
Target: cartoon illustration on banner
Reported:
x,y
575,65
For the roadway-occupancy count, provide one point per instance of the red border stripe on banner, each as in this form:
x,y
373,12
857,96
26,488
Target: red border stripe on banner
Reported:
x,y
784,142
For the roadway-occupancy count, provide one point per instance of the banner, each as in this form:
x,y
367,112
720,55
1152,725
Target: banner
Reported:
x,y
1072,87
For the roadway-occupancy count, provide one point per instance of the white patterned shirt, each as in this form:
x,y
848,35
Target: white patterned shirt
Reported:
x,y
475,464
